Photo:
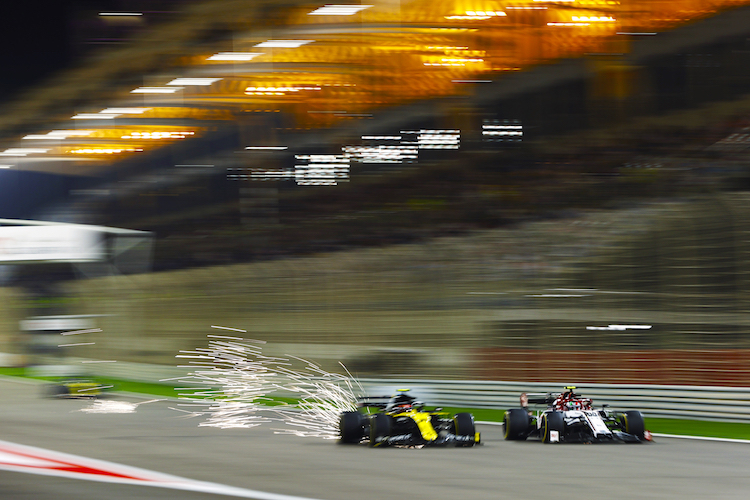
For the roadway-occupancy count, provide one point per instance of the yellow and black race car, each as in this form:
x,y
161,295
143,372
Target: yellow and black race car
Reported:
x,y
401,420
75,388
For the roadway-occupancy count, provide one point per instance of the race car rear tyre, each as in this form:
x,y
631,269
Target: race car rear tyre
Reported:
x,y
516,424
463,424
552,422
351,427
380,430
633,423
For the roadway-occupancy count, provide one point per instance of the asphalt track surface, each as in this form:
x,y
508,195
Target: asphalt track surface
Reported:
x,y
160,439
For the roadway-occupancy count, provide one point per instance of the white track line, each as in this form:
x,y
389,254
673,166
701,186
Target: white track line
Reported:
x,y
676,436
702,438
29,459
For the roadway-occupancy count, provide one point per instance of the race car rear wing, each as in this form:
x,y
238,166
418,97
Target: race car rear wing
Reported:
x,y
537,399
384,402
373,401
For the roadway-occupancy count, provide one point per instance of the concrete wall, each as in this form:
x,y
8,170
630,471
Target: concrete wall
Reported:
x,y
441,309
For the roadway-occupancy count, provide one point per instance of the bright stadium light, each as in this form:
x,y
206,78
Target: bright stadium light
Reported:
x,y
124,111
284,44
193,81
62,134
37,136
338,10
156,90
620,327
22,151
95,116
234,56
59,134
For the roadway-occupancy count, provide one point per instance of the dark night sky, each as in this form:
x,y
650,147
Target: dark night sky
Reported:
x,y
38,40
41,37
35,41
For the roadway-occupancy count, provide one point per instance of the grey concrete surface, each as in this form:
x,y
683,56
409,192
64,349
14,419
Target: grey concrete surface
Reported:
x,y
158,438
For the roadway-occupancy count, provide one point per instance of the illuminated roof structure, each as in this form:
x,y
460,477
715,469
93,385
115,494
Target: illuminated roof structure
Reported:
x,y
318,65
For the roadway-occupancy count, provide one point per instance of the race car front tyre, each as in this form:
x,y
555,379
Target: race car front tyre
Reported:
x,y
553,425
56,391
633,423
380,430
465,429
516,424
351,427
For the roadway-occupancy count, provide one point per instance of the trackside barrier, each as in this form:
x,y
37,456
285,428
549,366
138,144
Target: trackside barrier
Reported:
x,y
673,401
730,404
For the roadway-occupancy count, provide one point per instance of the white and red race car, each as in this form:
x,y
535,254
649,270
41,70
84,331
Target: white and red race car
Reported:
x,y
569,417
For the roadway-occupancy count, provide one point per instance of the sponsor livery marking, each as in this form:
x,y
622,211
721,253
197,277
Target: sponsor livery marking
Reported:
x,y
32,460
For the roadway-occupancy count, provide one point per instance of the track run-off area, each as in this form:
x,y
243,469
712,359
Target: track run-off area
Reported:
x,y
178,459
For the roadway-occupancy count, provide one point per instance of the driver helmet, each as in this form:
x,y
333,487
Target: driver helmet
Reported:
x,y
402,402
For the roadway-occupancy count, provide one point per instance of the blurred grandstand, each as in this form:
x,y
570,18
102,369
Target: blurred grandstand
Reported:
x,y
245,131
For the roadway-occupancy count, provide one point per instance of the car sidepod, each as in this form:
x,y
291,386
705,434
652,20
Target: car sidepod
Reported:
x,y
465,430
412,428
586,426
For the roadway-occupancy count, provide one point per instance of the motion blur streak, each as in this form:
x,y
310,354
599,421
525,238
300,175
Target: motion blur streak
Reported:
x,y
104,406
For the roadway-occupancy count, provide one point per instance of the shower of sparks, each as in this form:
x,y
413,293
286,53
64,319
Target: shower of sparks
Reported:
x,y
228,328
232,379
323,396
233,384
80,332
103,406
97,388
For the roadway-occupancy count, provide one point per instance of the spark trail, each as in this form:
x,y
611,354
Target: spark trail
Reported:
x,y
322,397
234,385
